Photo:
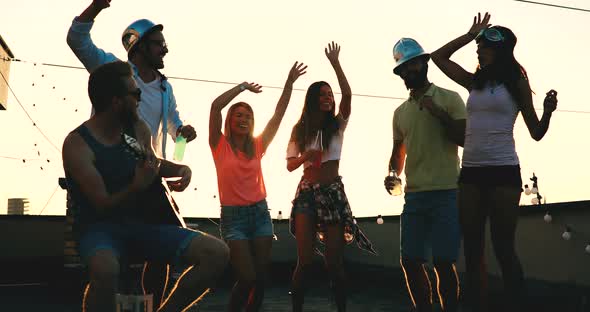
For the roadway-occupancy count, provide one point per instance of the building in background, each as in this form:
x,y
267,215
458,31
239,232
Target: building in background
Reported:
x,y
18,206
5,56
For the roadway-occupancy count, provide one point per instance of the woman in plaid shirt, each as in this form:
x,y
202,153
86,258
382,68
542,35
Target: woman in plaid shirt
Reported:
x,y
320,209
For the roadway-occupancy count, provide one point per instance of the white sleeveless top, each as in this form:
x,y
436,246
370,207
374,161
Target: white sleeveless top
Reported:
x,y
489,135
334,150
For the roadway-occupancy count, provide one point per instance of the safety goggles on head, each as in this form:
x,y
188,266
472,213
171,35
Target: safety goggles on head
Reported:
x,y
490,34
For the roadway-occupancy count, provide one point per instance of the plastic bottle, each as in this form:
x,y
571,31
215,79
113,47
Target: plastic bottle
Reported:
x,y
179,148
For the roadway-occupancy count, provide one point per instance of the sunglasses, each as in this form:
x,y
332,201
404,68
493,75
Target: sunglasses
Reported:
x,y
490,34
160,43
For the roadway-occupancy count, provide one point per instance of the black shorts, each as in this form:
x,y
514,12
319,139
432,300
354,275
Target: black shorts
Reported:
x,y
491,176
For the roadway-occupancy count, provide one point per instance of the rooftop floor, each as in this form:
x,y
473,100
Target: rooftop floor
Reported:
x,y
372,290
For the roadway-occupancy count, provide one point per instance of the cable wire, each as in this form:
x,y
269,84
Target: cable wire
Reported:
x,y
554,5
50,197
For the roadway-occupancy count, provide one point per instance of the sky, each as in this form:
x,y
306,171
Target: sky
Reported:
x,y
235,41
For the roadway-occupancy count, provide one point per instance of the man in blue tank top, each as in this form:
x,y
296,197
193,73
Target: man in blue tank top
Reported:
x,y
107,180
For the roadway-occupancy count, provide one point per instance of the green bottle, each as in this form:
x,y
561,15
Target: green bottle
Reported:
x,y
179,148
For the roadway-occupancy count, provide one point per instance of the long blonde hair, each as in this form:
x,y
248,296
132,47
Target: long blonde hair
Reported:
x,y
249,146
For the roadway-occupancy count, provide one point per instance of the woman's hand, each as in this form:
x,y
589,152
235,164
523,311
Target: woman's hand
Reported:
x,y
479,24
251,86
332,52
296,71
550,103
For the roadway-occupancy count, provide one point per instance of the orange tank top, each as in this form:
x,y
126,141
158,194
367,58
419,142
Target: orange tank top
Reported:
x,y
239,179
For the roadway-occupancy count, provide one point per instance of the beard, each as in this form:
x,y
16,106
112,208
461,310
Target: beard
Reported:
x,y
153,61
416,80
156,62
129,118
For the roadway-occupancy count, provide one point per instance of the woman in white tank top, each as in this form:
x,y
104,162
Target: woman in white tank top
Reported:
x,y
321,211
490,182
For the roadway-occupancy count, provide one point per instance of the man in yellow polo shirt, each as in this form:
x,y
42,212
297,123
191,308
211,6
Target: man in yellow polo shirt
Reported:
x,y
427,128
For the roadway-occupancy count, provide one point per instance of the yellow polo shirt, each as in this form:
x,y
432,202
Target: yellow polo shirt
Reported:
x,y
432,162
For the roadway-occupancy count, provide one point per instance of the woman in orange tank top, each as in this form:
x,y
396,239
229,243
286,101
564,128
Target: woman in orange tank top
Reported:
x,y
245,222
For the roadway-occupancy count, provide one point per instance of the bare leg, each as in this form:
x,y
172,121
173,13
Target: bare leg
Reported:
x,y
211,255
447,285
262,249
104,275
334,247
305,235
418,284
473,212
503,222
243,265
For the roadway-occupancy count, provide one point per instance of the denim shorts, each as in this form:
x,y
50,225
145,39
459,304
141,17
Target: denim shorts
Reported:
x,y
430,226
137,241
245,222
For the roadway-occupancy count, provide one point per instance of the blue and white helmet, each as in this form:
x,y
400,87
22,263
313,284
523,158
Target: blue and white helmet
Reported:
x,y
136,31
404,50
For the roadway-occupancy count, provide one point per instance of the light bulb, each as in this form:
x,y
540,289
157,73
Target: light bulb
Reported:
x,y
587,249
275,237
534,190
534,201
548,218
567,235
354,220
280,216
379,219
527,190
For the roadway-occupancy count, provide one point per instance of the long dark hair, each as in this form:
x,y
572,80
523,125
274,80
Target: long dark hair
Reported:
x,y
308,125
505,69
249,146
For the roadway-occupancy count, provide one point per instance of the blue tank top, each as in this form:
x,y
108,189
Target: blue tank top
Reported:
x,y
116,165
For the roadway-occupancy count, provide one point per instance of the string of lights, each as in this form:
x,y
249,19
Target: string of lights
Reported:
x,y
199,80
27,161
20,158
265,86
568,229
28,115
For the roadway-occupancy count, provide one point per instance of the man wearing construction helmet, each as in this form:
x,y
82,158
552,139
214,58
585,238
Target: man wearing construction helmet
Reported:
x,y
145,45
427,128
